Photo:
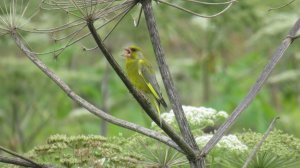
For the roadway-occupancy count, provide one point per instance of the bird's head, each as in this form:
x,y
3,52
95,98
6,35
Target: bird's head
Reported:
x,y
132,52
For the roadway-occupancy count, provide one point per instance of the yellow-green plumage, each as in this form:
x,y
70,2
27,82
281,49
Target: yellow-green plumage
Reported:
x,y
132,68
142,76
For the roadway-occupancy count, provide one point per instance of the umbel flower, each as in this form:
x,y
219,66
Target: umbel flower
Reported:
x,y
229,142
198,117
109,14
99,8
15,15
104,13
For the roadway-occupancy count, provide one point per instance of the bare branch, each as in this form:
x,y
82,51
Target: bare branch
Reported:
x,y
15,162
145,104
166,76
21,161
259,144
197,14
255,89
91,108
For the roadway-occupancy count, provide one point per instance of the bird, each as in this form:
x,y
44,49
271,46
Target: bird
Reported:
x,y
142,76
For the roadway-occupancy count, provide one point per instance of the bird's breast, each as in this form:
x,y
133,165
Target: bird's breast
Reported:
x,y
132,69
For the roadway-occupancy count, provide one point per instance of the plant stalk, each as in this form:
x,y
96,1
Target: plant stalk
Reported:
x,y
166,75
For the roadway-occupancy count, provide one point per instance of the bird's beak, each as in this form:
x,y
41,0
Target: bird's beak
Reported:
x,y
127,52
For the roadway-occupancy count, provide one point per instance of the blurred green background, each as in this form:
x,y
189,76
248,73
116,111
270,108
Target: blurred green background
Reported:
x,y
214,62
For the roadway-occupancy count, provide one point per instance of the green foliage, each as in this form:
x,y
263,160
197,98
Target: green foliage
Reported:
x,y
84,151
280,150
23,85
155,154
278,143
261,160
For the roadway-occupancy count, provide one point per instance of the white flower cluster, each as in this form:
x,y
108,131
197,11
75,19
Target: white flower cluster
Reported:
x,y
229,142
198,117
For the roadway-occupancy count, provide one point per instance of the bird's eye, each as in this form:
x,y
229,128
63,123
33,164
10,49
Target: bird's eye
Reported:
x,y
133,49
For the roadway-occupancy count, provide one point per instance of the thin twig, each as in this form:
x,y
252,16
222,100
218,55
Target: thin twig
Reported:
x,y
145,104
210,3
259,144
84,35
91,108
136,23
255,88
194,13
166,75
282,6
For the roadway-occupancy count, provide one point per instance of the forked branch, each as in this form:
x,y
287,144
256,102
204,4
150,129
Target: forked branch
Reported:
x,y
292,35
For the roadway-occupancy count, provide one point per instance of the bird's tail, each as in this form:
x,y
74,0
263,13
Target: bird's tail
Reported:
x,y
162,102
156,104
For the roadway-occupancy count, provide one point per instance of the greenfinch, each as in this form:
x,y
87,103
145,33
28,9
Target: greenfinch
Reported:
x,y
142,75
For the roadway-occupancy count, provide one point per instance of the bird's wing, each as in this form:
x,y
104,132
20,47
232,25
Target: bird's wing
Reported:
x,y
146,71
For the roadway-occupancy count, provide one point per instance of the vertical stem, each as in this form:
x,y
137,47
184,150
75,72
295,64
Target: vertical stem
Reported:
x,y
169,85
206,79
275,99
104,92
198,163
166,76
212,162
